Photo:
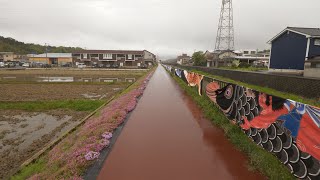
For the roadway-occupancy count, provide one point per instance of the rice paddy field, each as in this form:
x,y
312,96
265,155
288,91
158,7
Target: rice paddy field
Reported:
x,y
38,106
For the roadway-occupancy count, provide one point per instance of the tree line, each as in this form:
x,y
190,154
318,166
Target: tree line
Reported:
x,y
199,59
12,45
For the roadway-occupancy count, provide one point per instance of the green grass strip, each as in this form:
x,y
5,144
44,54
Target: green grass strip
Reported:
x,y
77,105
259,159
33,168
244,69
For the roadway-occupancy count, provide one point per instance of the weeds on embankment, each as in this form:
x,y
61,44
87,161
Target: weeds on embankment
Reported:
x,y
259,159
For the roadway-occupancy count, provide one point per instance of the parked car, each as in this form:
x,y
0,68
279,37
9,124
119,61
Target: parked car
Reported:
x,y
26,65
10,64
143,66
37,65
1,64
108,65
46,66
21,63
67,65
115,66
81,65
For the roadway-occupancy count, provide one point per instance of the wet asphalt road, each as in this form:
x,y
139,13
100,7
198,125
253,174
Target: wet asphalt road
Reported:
x,y
167,137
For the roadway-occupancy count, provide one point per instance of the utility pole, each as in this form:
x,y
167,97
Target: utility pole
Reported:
x,y
46,49
225,34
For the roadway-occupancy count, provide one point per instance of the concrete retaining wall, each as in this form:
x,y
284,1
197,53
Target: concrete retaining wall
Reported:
x,y
303,86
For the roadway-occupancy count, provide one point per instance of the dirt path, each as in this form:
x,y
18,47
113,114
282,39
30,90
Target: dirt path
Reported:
x,y
167,137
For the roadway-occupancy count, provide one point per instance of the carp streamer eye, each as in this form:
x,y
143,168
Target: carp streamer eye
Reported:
x,y
228,93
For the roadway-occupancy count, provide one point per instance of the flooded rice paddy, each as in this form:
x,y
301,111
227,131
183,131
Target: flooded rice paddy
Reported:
x,y
23,134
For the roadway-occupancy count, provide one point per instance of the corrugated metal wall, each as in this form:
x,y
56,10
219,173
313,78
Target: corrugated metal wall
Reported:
x,y
289,52
314,50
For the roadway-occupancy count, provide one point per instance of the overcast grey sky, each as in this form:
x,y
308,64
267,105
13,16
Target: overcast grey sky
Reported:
x,y
165,27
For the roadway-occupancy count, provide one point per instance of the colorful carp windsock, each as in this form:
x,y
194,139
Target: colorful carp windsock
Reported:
x,y
194,79
284,127
288,129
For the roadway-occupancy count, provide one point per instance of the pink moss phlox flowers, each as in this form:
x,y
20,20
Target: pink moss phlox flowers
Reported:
x,y
107,135
104,142
131,105
91,155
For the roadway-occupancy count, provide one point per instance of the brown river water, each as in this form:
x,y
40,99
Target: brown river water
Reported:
x,y
167,137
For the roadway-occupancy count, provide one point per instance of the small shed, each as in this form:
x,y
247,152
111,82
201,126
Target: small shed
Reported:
x,y
292,47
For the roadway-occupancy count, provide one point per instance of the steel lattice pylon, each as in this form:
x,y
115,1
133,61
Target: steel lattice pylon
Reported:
x,y
225,35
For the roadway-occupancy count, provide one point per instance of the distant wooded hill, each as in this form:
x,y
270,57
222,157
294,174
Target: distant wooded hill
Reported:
x,y
170,61
12,45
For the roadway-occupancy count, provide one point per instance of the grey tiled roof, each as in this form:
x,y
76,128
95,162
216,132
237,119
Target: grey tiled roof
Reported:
x,y
307,31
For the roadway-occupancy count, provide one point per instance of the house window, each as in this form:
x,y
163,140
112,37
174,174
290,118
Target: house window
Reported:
x,y
317,42
85,56
129,56
107,56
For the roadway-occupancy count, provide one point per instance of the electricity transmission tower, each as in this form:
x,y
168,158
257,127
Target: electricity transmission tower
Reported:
x,y
225,35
